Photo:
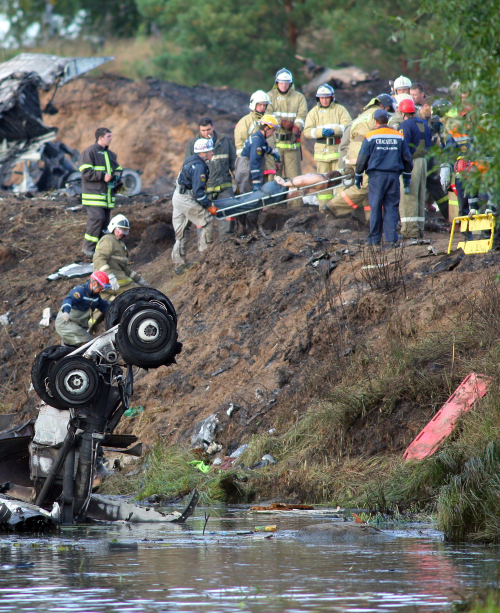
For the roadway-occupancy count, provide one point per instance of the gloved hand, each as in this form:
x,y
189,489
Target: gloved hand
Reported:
x,y
358,180
113,281
445,176
327,133
276,157
212,210
65,317
256,187
286,125
296,130
407,189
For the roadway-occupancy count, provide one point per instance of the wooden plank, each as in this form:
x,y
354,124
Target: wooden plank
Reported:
x,y
472,388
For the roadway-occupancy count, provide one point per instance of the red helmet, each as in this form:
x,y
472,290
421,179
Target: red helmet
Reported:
x,y
462,165
407,106
101,278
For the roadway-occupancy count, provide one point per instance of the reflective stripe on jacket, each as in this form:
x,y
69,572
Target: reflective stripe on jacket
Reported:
x,y
248,125
255,148
360,127
334,117
221,164
111,256
194,176
95,162
384,150
291,106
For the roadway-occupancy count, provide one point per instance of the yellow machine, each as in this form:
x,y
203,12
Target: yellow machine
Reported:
x,y
474,223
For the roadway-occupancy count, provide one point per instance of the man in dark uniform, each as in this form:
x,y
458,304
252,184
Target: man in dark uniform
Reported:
x,y
252,163
219,184
384,155
190,203
100,178
72,321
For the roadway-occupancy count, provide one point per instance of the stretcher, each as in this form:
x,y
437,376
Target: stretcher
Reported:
x,y
267,197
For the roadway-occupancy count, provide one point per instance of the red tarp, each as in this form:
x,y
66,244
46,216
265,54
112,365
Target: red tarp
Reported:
x,y
472,388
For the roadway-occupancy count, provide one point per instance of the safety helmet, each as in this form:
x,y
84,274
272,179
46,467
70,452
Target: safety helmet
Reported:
x,y
325,90
270,121
407,106
284,75
121,222
258,97
462,165
203,145
441,107
400,97
401,82
386,100
102,278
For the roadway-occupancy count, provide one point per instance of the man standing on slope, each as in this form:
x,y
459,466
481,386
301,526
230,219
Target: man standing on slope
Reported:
x,y
219,185
290,109
100,178
326,123
384,155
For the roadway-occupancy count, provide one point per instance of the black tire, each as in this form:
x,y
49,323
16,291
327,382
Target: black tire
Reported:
x,y
75,382
147,336
41,368
130,297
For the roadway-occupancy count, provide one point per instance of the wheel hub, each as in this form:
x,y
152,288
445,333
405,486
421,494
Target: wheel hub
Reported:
x,y
148,330
76,382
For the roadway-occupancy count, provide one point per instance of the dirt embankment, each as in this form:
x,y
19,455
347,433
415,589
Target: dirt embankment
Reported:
x,y
256,318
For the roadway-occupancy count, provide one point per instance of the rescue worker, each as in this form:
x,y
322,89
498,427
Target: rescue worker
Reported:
x,y
383,156
111,256
252,162
417,92
290,109
326,123
190,203
402,85
418,138
100,179
351,200
220,183
72,321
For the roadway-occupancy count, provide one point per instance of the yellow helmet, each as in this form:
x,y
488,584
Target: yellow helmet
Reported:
x,y
270,121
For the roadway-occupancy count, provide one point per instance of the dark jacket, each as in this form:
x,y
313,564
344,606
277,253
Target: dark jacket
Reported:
x,y
384,150
82,299
194,176
417,136
94,163
221,165
255,148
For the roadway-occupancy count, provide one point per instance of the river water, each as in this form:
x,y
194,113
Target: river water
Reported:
x,y
167,567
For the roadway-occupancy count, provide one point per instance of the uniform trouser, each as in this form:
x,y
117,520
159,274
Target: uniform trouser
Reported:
x,y
226,226
97,222
384,194
243,180
435,189
186,209
74,331
290,168
322,166
412,205
111,294
466,199
351,200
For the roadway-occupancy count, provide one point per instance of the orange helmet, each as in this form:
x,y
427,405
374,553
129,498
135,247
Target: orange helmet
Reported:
x,y
101,278
407,106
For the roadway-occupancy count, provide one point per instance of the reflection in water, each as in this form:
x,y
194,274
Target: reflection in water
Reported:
x,y
175,568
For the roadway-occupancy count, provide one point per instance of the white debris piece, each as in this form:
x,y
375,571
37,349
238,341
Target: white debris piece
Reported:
x,y
45,321
5,318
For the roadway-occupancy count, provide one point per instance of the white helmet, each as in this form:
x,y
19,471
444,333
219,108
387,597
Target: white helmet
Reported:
x,y
203,145
325,90
401,82
284,75
121,222
259,97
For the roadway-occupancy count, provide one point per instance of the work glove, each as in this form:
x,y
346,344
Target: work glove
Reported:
x,y
327,133
296,131
65,317
212,210
113,281
358,180
256,187
445,176
276,157
286,125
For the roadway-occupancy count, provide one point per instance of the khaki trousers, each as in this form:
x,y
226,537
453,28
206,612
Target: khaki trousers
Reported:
x,y
412,205
186,209
350,200
74,331
322,167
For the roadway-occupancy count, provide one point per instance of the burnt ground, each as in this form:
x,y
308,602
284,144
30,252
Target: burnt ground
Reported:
x,y
257,320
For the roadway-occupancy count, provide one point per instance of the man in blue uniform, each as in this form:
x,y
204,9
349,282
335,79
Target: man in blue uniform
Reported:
x,y
72,321
418,138
384,155
190,203
251,164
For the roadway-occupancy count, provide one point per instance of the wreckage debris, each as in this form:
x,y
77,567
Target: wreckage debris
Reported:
x,y
72,271
25,517
282,506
